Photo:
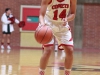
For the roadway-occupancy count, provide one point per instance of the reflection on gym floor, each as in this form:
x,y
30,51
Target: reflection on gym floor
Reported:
x,y
26,62
9,62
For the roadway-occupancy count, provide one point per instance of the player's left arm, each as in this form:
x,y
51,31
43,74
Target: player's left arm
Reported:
x,y
73,4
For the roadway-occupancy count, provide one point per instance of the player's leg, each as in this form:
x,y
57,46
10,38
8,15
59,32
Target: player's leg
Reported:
x,y
68,59
44,59
65,40
8,41
3,40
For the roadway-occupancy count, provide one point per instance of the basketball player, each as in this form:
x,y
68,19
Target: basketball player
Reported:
x,y
7,20
55,14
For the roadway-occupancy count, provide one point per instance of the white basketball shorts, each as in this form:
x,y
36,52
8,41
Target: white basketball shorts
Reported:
x,y
62,34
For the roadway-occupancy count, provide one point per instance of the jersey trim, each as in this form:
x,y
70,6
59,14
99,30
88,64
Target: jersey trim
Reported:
x,y
50,2
60,0
64,45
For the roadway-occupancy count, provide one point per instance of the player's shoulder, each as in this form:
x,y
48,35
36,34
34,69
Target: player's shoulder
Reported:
x,y
73,0
46,1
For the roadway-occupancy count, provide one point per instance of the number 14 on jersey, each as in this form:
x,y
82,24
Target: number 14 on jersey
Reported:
x,y
61,15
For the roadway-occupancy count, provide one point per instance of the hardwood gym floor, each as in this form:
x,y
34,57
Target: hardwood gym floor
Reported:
x,y
26,62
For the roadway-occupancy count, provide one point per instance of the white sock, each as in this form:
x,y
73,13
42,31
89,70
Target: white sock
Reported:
x,y
41,71
67,71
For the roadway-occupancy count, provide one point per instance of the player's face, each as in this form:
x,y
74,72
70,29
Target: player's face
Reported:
x,y
9,12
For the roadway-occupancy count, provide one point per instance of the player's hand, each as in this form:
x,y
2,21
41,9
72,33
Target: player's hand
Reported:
x,y
41,24
64,21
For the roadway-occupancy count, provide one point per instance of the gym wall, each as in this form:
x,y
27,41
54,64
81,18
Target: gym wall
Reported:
x,y
86,27
15,6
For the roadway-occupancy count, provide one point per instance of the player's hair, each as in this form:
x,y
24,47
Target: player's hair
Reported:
x,y
7,9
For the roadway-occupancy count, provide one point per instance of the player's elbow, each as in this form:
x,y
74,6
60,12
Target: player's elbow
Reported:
x,y
41,16
73,13
73,16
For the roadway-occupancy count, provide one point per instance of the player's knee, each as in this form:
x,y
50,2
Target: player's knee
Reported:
x,y
48,50
69,51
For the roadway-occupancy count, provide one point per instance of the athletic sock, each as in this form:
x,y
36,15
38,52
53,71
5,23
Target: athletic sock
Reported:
x,y
41,72
67,71
2,43
8,44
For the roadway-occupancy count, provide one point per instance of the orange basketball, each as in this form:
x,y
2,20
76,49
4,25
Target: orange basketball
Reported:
x,y
43,34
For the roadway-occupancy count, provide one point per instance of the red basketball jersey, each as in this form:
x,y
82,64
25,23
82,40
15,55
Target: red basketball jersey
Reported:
x,y
57,9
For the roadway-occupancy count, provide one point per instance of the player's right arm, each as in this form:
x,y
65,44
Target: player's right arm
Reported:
x,y
43,9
